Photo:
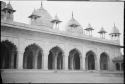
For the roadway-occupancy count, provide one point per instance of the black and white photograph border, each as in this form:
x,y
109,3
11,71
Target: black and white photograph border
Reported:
x,y
64,41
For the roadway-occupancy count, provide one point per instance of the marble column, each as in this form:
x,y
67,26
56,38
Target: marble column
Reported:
x,y
45,59
97,62
82,61
20,60
65,61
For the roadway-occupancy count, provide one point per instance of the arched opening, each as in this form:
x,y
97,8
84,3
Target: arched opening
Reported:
x,y
8,57
74,60
55,58
104,61
32,57
117,66
90,60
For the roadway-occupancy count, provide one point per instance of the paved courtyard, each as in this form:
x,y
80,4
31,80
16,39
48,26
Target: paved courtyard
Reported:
x,y
62,77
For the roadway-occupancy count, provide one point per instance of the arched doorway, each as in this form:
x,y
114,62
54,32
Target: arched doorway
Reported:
x,y
55,58
90,61
104,61
74,60
8,55
117,66
32,57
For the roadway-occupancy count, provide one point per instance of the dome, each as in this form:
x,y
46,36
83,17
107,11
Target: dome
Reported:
x,y
9,6
115,30
73,21
74,26
102,30
44,17
89,28
56,20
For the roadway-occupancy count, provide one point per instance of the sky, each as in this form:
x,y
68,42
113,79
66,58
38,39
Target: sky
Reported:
x,y
98,14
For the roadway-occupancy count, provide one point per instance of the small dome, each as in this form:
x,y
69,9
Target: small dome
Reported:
x,y
102,30
9,6
89,28
44,17
56,20
74,26
115,30
73,21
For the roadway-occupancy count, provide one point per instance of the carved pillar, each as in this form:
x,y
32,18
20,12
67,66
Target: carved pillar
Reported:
x,y
98,62
81,62
45,59
20,60
65,61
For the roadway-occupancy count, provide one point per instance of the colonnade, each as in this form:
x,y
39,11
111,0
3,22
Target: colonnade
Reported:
x,y
55,59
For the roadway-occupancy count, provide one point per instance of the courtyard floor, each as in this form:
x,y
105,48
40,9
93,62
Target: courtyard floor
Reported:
x,y
38,76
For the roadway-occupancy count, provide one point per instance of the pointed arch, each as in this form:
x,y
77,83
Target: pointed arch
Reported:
x,y
74,59
8,55
90,60
33,57
104,61
55,58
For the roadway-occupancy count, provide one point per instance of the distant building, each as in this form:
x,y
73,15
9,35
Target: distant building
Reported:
x,y
40,45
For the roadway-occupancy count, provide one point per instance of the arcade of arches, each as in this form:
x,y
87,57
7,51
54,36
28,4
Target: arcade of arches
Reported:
x,y
33,58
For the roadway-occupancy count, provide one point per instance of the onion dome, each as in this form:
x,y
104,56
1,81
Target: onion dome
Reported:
x,y
102,31
56,20
44,17
9,8
74,26
89,28
115,30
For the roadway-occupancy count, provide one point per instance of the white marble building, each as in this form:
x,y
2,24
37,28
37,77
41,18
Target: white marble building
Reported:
x,y
40,45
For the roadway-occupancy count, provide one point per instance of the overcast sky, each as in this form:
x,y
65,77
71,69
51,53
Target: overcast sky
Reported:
x,y
98,14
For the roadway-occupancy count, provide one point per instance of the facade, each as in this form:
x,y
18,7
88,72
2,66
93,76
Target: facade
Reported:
x,y
40,46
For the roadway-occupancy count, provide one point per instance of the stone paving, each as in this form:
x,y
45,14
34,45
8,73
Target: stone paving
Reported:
x,y
38,76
